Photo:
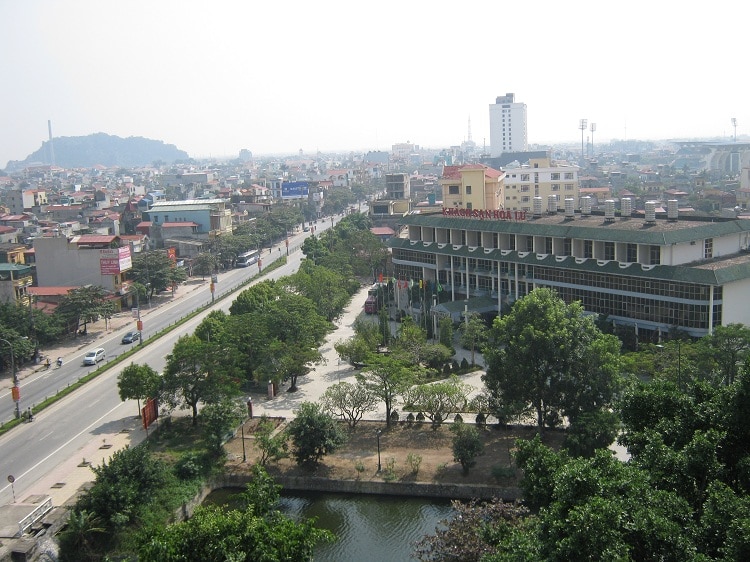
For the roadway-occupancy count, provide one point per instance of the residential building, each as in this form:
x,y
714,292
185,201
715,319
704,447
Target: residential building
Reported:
x,y
203,219
15,279
472,186
543,178
507,126
397,186
83,260
650,274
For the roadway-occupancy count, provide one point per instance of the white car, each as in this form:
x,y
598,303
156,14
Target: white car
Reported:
x,y
94,356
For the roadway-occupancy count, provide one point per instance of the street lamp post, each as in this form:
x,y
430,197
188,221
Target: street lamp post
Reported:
x,y
16,392
377,433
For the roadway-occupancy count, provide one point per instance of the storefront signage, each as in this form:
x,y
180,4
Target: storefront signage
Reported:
x,y
493,214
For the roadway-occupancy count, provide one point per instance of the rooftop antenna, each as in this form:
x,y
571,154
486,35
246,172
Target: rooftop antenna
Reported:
x,y
734,124
51,143
469,128
593,129
582,124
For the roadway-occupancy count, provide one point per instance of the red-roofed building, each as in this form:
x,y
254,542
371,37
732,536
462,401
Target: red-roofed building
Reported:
x,y
473,186
383,232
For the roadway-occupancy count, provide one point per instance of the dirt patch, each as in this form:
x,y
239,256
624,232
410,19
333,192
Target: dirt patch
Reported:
x,y
408,453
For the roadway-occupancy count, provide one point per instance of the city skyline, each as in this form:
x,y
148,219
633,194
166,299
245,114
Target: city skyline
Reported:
x,y
215,78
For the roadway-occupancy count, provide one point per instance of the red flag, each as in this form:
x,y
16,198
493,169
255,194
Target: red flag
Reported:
x,y
380,277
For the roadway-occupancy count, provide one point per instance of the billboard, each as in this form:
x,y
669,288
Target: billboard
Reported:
x,y
295,189
114,260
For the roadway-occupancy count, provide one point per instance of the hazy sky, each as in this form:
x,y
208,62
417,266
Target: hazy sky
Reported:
x,y
216,76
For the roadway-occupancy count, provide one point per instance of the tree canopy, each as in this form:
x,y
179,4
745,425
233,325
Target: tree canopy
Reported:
x,y
547,357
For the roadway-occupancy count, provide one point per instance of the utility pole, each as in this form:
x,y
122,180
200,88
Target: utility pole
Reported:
x,y
582,124
593,130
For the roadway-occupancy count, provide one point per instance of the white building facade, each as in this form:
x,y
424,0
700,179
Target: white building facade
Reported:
x,y
508,132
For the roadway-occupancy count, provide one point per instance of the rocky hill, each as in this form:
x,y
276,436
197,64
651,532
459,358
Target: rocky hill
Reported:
x,y
103,149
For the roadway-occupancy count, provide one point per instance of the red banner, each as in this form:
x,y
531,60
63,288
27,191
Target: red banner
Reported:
x,y
149,412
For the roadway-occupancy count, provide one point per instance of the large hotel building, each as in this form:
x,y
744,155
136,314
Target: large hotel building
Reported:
x,y
652,271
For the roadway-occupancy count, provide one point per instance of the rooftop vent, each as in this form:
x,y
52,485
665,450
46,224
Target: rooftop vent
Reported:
x,y
586,205
609,210
570,209
537,206
650,211
672,210
627,207
551,204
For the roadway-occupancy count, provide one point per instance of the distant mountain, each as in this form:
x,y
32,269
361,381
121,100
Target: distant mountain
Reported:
x,y
100,148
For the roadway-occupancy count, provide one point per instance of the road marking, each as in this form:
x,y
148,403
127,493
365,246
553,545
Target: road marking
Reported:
x,y
53,453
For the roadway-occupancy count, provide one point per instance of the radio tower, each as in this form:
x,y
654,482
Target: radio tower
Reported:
x,y
734,124
582,124
51,143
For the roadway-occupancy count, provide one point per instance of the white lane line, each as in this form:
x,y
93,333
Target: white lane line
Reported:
x,y
53,453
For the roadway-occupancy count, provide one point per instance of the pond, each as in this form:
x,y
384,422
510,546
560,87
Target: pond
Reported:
x,y
368,527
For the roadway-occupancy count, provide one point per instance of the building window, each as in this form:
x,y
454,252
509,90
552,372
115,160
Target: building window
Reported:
x,y
524,177
525,199
524,188
468,205
708,248
556,176
567,247
609,250
548,245
568,187
568,175
632,253
588,248
452,190
654,255
555,187
468,190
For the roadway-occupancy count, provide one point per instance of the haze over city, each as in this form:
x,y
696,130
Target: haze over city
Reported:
x,y
216,77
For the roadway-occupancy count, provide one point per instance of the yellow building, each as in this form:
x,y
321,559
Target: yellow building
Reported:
x,y
473,186
540,178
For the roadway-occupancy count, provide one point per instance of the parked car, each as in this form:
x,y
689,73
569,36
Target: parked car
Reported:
x,y
131,337
94,356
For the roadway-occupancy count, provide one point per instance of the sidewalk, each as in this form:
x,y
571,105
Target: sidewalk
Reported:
x,y
312,386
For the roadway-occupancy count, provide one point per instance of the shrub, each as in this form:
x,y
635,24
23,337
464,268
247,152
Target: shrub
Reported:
x,y
189,466
481,419
410,418
454,366
447,369
420,417
464,364
458,418
467,444
394,416
501,473
414,461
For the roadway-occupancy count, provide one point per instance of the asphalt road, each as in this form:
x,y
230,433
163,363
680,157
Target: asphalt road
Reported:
x,y
33,450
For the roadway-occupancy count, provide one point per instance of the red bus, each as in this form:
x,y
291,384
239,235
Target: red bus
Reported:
x,y
371,305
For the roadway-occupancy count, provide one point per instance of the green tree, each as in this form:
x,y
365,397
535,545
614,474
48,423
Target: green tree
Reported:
x,y
271,446
138,382
445,331
348,401
388,377
204,264
314,434
549,358
728,347
78,540
218,419
213,534
473,333
83,305
438,400
478,530
467,445
122,485
156,270
194,374
330,291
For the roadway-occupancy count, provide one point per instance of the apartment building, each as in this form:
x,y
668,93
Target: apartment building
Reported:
x,y
508,132
540,178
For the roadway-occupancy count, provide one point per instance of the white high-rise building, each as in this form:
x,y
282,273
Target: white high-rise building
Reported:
x,y
507,126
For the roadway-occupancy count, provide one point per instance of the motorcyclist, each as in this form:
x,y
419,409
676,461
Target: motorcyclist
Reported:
x,y
59,361
47,363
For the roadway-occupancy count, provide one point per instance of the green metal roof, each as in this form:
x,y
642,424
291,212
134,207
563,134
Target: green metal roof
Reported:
x,y
713,272
592,227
